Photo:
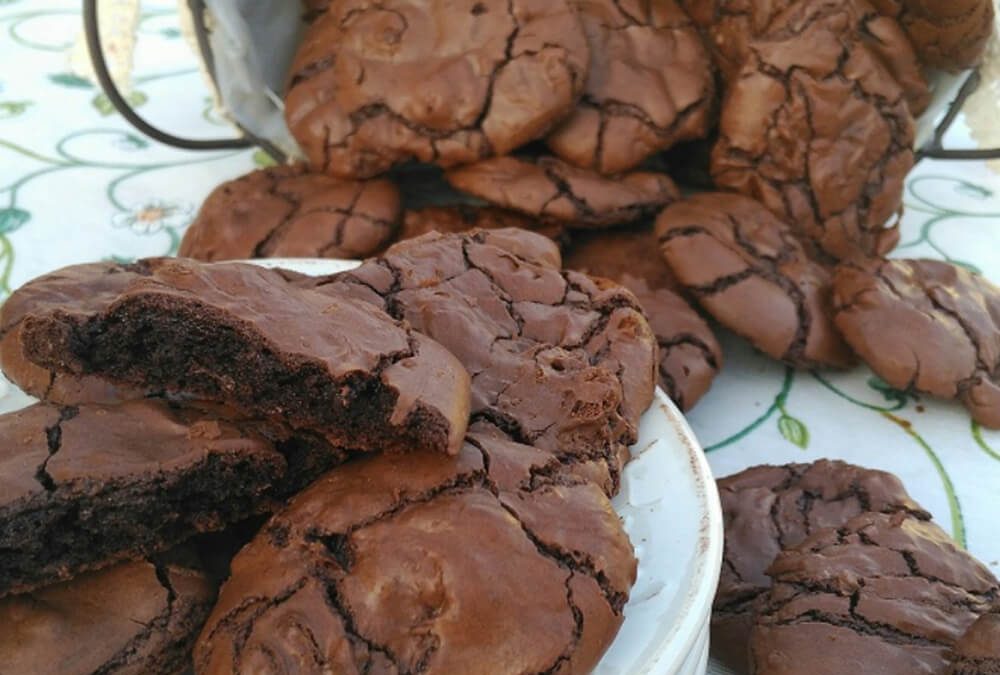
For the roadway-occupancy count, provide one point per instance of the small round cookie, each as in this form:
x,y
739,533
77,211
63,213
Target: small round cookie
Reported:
x,y
947,34
819,130
465,217
748,270
375,85
288,212
690,356
927,326
883,589
551,190
650,86
409,563
978,651
768,508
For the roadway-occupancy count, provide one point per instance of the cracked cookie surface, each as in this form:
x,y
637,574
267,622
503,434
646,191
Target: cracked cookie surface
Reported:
x,y
552,190
220,332
416,563
650,85
439,82
977,652
927,326
768,508
86,487
947,34
131,619
883,589
465,217
749,271
819,130
690,356
288,212
557,360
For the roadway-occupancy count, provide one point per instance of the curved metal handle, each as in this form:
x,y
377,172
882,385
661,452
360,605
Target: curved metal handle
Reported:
x,y
936,150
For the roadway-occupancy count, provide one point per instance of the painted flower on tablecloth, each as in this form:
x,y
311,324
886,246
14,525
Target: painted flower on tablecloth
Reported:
x,y
153,217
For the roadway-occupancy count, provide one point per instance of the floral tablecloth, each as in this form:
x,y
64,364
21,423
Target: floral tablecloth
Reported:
x,y
77,184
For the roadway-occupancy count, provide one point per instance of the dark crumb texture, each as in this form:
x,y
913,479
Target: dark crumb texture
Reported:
x,y
885,589
650,85
224,333
819,130
927,326
552,190
85,487
748,270
135,618
557,359
530,574
769,508
288,212
447,83
978,651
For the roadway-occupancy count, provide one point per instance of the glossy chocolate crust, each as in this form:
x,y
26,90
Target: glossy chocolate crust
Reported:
x,y
947,34
690,356
768,508
925,325
287,212
220,332
557,360
883,589
978,651
438,81
650,85
85,487
552,190
819,130
748,270
459,218
420,563
134,618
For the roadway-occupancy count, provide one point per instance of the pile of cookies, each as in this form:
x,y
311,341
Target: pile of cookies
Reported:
x,y
405,468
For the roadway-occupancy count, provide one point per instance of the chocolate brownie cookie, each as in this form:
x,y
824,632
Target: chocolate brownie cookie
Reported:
x,y
978,651
690,356
819,130
557,360
131,619
650,86
221,333
748,270
768,508
948,34
439,82
85,487
927,326
551,190
465,217
287,212
421,563
883,589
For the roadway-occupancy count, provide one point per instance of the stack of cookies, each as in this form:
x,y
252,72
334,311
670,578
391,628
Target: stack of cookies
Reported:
x,y
413,459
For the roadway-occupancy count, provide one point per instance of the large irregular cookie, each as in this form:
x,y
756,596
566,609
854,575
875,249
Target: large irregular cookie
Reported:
x,y
817,129
557,360
85,487
978,651
650,85
287,212
419,563
223,332
131,619
465,217
551,190
883,589
927,326
690,356
441,82
748,270
948,34
768,508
